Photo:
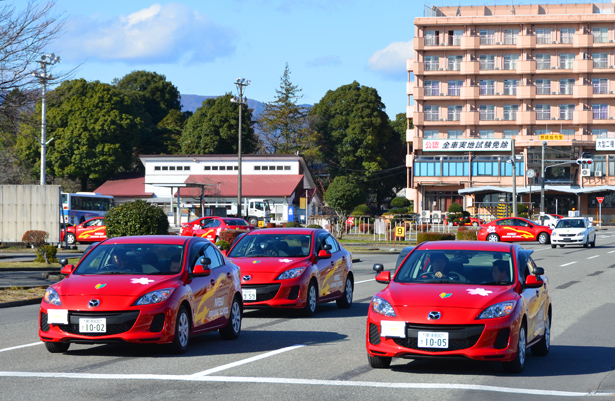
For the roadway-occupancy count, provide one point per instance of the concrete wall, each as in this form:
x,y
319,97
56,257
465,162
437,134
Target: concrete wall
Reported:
x,y
29,207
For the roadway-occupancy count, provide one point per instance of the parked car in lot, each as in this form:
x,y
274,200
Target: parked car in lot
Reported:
x,y
514,229
210,227
483,301
294,268
550,220
92,230
143,289
474,221
573,231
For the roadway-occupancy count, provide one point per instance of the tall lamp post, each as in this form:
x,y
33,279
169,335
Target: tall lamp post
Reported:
x,y
46,59
239,83
542,184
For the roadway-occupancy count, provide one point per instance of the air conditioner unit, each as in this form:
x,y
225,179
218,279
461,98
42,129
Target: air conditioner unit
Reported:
x,y
442,119
442,94
611,118
498,119
555,118
611,41
441,69
611,66
443,44
598,173
554,67
498,43
585,172
497,68
554,93
556,42
611,92
498,93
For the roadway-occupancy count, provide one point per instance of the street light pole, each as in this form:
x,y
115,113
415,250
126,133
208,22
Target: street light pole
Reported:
x,y
542,185
46,59
514,183
239,83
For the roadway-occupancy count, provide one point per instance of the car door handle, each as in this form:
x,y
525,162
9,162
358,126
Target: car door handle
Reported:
x,y
213,281
228,275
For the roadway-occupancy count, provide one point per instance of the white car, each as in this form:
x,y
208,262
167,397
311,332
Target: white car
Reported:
x,y
573,231
550,221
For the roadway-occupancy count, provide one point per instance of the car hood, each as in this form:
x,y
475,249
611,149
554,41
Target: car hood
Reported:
x,y
574,231
112,285
266,269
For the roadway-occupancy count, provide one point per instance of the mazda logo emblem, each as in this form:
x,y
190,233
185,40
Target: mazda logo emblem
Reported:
x,y
93,303
247,278
434,315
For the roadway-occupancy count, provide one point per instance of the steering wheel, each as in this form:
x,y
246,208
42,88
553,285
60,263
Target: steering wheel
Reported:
x,y
110,266
427,275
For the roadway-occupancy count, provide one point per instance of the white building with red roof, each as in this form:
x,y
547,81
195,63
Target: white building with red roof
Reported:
x,y
213,181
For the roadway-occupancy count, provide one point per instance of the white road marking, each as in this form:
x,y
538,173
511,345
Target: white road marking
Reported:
x,y
314,382
21,346
244,361
567,264
611,252
593,257
365,281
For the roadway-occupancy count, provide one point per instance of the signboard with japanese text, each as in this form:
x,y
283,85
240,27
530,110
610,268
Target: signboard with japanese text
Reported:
x,y
605,144
551,137
467,145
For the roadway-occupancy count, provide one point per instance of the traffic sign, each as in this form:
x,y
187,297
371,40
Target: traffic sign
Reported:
x,y
600,199
400,231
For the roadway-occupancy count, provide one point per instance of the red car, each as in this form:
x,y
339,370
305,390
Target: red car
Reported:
x,y
483,301
474,221
143,289
210,227
293,268
514,229
92,230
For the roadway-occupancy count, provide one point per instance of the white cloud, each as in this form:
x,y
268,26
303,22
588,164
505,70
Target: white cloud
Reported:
x,y
391,61
161,33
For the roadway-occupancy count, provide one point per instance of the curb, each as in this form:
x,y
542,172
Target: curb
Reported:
x,y
21,303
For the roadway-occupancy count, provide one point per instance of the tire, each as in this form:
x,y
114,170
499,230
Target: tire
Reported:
x,y
553,246
181,339
585,245
561,246
71,239
493,238
57,348
517,364
474,224
253,221
233,328
379,362
593,243
542,347
543,238
345,301
311,299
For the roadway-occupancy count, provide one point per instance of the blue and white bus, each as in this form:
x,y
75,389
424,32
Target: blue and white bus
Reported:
x,y
80,206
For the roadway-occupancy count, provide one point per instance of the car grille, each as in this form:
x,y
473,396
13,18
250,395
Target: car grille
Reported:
x,y
374,334
264,292
117,322
459,336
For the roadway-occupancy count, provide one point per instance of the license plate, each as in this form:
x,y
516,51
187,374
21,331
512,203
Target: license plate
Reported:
x,y
428,339
92,325
567,239
249,295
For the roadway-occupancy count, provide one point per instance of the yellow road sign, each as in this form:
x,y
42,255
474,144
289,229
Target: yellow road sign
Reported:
x,y
400,231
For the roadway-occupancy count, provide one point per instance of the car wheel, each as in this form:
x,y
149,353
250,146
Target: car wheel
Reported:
x,y
561,246
585,245
543,238
517,364
474,224
553,246
379,362
70,239
345,301
253,221
310,300
493,238
593,244
57,348
450,224
182,331
233,327
543,346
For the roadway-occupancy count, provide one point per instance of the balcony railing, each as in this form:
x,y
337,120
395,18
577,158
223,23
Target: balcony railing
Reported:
x,y
601,63
600,114
510,91
487,90
487,65
486,115
543,115
543,39
454,66
510,116
544,65
430,41
454,116
601,89
543,90
431,116
454,91
432,91
431,66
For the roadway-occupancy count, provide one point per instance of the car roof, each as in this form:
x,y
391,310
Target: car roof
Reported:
x,y
574,218
150,239
290,230
466,245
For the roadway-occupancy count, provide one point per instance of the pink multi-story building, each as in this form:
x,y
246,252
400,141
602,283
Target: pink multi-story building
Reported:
x,y
534,81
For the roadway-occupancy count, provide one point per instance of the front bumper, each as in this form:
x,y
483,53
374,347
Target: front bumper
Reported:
x,y
282,294
569,240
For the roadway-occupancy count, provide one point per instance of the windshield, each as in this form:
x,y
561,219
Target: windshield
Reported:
x,y
236,222
573,223
457,266
272,245
143,259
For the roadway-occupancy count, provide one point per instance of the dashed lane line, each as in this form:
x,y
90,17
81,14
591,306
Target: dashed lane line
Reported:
x,y
568,264
313,382
594,257
21,346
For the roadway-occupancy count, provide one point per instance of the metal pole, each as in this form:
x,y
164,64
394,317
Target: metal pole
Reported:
x,y
542,185
44,125
514,186
239,206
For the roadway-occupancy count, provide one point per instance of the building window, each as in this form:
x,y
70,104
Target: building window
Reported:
x,y
487,36
543,86
486,133
510,112
454,88
510,36
165,168
186,168
543,36
510,86
566,61
214,167
510,61
432,63
432,113
455,38
543,61
600,60
565,86
600,111
486,112
279,167
601,86
287,168
172,168
431,134
455,134
566,35
486,62
454,113
601,34
454,63
543,111
427,166
600,132
487,87
206,168
566,111
432,88
432,38
566,132
156,168
542,132
509,133
257,168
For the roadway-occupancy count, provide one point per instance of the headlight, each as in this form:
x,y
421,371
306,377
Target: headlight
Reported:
x,y
292,273
52,297
155,297
501,309
382,307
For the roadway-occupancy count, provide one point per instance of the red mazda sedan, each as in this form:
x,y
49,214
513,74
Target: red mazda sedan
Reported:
x,y
483,301
514,229
293,268
92,230
143,289
211,227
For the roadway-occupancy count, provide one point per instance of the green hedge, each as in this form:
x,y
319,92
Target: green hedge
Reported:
x,y
293,224
423,237
467,235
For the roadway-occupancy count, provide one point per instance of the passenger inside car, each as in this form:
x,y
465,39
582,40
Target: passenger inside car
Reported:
x,y
500,271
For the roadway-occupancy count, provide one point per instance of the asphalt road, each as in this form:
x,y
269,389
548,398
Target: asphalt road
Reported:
x,y
281,356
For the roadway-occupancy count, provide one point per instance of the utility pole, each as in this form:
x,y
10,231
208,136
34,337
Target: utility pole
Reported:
x,y
239,83
542,184
514,175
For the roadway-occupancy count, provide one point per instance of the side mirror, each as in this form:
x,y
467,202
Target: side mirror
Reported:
x,y
202,267
67,269
324,254
326,247
63,262
384,277
539,271
378,267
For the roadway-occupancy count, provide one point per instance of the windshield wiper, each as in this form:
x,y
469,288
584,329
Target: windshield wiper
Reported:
x,y
114,272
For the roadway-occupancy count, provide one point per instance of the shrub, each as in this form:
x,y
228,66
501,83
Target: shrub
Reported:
x,y
136,218
365,228
314,226
38,239
230,236
223,245
466,235
360,210
50,251
423,237
400,202
522,208
455,208
293,224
